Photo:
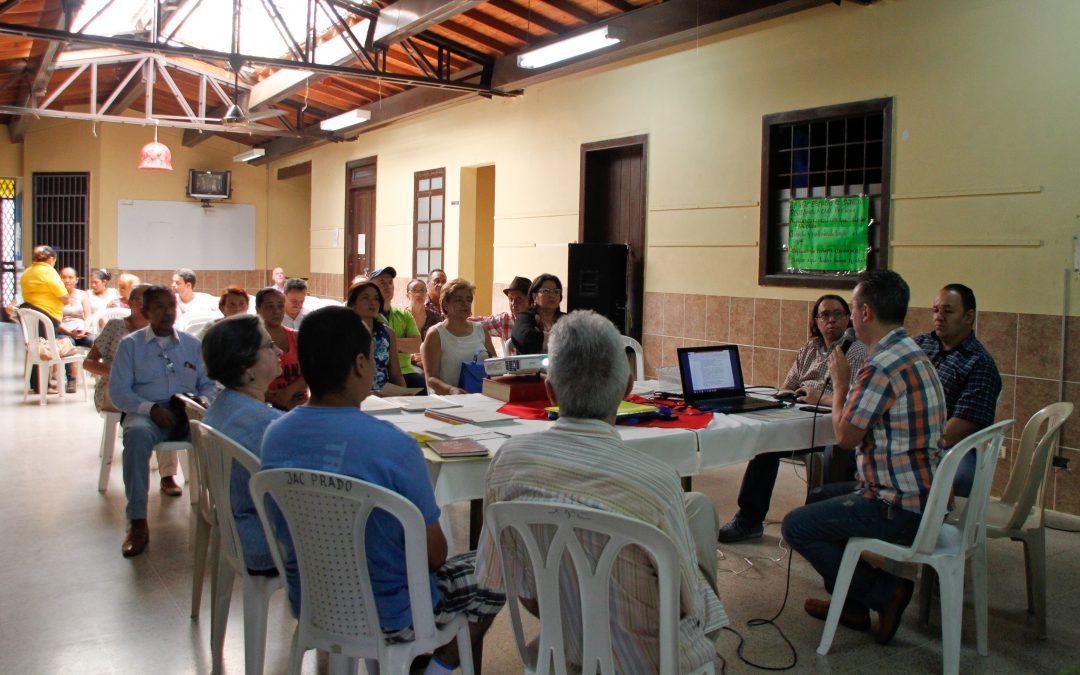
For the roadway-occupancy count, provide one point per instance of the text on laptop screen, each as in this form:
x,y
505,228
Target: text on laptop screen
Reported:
x,y
713,371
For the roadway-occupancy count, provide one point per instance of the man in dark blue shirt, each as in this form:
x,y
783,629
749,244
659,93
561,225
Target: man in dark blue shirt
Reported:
x,y
967,372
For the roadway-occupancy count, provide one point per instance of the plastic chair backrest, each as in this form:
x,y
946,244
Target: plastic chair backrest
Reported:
x,y
593,577
327,516
195,410
986,444
103,316
639,358
194,323
32,322
218,452
1032,462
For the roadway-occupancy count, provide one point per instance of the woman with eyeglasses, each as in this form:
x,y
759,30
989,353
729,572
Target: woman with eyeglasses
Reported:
x,y
288,389
532,327
240,354
828,321
830,318
453,341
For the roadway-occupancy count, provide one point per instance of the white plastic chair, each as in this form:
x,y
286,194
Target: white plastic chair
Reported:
x,y
944,546
327,517
32,322
205,522
196,322
219,453
1018,515
639,357
103,316
108,450
593,574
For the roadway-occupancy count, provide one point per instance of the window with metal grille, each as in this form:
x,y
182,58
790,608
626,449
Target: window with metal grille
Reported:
x,y
61,208
833,151
428,221
10,238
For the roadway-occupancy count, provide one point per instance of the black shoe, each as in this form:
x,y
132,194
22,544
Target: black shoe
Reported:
x,y
736,530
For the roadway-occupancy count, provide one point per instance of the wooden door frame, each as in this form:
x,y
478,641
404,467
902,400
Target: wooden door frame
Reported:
x,y
349,187
613,144
641,140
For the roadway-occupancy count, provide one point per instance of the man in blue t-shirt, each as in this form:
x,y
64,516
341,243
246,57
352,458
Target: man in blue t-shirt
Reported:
x,y
330,433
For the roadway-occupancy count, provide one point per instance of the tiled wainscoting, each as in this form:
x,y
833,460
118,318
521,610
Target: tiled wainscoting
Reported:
x,y
1027,348
327,285
206,281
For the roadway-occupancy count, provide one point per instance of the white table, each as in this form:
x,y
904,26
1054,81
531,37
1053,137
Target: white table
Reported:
x,y
729,439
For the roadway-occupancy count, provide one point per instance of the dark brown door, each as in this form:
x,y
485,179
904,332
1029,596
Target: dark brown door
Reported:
x,y
359,219
612,210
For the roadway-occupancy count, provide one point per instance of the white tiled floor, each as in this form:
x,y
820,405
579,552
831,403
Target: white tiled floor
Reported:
x,y
69,603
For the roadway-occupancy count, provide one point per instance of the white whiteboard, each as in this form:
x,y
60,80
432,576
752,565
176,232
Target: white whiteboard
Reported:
x,y
155,235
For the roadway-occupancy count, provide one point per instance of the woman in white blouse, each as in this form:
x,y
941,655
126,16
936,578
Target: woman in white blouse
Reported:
x,y
454,340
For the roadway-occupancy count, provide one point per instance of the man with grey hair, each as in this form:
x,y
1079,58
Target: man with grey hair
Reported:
x,y
581,460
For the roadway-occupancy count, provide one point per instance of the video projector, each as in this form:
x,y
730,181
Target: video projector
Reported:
x,y
521,364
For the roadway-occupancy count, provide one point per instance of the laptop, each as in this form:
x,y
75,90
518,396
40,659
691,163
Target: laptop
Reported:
x,y
712,380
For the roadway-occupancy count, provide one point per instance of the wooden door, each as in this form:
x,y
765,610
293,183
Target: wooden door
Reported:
x,y
359,219
612,210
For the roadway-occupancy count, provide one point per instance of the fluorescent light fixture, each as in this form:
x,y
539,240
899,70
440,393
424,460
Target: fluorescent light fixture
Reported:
x,y
249,155
602,37
345,120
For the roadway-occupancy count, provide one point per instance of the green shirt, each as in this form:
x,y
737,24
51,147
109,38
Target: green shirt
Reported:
x,y
403,324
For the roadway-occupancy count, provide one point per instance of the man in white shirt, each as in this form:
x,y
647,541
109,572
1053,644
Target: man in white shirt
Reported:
x,y
188,301
581,460
295,293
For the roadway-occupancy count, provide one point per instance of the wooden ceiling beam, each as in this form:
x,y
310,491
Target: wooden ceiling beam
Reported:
x,y
472,35
39,70
513,32
530,16
567,7
404,19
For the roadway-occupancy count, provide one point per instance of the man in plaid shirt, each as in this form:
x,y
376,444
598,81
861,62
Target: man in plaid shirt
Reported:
x,y
967,372
894,415
500,325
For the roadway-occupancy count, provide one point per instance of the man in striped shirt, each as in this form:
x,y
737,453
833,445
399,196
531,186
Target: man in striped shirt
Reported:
x,y
894,415
581,460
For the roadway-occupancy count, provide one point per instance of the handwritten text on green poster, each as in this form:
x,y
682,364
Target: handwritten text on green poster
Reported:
x,y
828,235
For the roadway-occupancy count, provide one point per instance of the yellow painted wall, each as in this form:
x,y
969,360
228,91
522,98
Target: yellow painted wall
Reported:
x,y
289,245
10,157
984,163
476,233
111,156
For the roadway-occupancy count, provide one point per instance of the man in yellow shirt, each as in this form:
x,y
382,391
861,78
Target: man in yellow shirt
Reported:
x,y
43,291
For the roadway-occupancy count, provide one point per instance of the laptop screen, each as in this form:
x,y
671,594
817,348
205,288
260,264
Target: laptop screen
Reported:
x,y
711,372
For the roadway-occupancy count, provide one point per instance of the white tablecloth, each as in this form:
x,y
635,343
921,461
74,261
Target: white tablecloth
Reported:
x,y
729,439
732,439
463,479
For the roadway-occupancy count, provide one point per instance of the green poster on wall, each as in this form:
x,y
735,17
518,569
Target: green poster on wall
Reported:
x,y
828,235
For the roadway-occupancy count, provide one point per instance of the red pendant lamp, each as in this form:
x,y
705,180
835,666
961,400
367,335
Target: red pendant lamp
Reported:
x,y
155,156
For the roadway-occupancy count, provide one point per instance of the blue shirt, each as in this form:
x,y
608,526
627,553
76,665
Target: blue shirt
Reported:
x,y
352,443
969,377
244,420
145,373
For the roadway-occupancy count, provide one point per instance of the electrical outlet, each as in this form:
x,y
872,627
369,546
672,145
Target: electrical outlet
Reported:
x,y
1061,462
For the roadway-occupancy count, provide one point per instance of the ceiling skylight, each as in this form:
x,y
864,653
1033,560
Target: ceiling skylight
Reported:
x,y
208,24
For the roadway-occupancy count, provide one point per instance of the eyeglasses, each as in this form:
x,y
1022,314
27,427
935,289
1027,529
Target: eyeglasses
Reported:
x,y
168,362
837,314
550,291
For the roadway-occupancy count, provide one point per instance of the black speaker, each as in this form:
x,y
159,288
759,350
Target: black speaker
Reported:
x,y
598,280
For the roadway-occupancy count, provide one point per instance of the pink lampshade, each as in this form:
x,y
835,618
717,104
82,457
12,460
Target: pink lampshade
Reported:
x,y
156,156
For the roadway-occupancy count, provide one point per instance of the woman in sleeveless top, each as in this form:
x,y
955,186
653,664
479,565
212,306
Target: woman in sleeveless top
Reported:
x,y
366,300
454,341
289,389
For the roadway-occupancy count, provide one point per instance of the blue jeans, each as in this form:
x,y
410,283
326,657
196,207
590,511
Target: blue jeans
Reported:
x,y
965,476
140,437
834,513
